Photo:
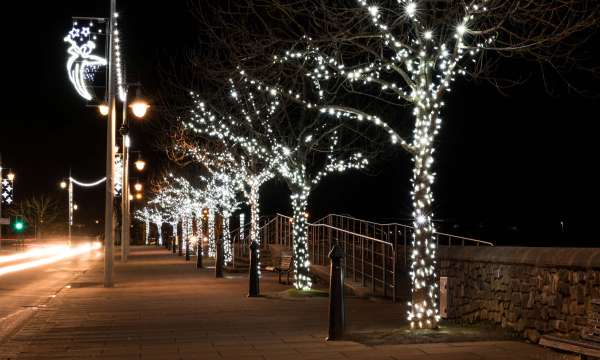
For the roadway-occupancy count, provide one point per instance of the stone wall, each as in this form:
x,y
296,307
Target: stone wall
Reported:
x,y
533,291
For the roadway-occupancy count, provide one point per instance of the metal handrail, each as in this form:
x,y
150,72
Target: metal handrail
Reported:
x,y
406,227
351,233
376,255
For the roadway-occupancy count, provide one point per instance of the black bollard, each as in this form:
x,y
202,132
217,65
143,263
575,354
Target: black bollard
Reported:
x,y
174,245
254,286
180,247
337,311
220,258
187,250
199,259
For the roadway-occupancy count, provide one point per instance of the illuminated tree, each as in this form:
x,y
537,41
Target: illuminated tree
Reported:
x,y
409,52
292,142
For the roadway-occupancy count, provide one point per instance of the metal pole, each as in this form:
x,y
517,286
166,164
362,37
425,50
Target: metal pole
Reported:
x,y
70,205
0,200
337,312
254,281
125,187
219,258
110,155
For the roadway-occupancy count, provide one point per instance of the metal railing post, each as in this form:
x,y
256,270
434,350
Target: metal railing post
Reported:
x,y
384,271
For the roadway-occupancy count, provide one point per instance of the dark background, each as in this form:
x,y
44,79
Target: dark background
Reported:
x,y
511,168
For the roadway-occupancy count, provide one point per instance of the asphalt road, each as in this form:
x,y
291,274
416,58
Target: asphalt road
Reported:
x,y
23,292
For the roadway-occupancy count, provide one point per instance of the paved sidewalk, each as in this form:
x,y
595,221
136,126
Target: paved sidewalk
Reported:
x,y
163,308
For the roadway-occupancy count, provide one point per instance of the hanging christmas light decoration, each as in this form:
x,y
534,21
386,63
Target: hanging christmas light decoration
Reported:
x,y
7,191
118,179
82,64
117,46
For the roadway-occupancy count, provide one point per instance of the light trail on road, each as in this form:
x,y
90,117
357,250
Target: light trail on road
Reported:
x,y
59,253
38,252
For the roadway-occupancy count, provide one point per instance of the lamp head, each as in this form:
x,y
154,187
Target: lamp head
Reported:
x,y
103,109
140,164
139,106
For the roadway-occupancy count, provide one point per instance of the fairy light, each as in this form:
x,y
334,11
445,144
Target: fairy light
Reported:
x,y
411,9
212,246
242,217
117,46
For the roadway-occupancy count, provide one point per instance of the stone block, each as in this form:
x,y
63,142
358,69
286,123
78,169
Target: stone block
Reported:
x,y
563,288
563,275
516,298
532,335
544,313
530,300
522,324
580,294
559,325
573,307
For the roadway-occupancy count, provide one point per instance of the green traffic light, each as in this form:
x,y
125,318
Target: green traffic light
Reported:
x,y
19,226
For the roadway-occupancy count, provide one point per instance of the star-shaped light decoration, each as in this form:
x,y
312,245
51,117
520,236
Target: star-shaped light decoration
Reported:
x,y
74,33
85,31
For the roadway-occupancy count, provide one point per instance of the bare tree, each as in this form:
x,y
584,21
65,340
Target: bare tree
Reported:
x,y
40,211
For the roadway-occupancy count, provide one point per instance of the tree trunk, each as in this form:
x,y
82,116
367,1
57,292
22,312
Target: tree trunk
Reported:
x,y
159,228
212,249
255,219
302,279
424,305
174,236
254,213
147,231
228,257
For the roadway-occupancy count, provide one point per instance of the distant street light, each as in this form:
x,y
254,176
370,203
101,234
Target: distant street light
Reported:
x,y
75,207
138,186
139,196
140,164
103,108
10,176
63,184
139,106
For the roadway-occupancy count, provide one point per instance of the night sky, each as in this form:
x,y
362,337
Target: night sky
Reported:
x,y
511,167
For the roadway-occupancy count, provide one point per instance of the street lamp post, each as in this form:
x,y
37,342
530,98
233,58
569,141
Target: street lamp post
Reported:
x,y
0,201
10,177
125,228
70,205
139,107
110,155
